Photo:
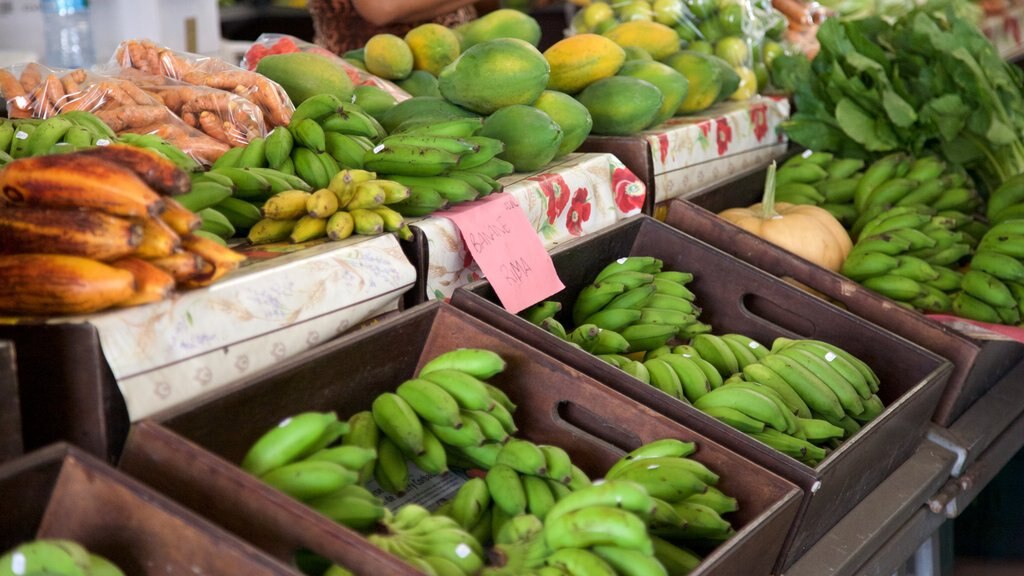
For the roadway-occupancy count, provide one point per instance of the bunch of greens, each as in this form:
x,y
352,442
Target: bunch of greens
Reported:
x,y
894,9
929,82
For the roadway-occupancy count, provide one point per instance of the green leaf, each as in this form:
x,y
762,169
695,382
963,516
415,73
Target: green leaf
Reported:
x,y
813,134
962,151
999,133
861,127
833,40
791,71
948,113
901,113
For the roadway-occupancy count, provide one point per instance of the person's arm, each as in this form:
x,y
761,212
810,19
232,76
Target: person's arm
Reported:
x,y
382,13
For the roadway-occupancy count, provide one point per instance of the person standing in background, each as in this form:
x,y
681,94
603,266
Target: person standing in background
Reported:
x,y
343,25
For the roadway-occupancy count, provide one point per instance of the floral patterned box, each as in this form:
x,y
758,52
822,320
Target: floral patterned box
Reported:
x,y
284,300
571,197
683,155
1003,29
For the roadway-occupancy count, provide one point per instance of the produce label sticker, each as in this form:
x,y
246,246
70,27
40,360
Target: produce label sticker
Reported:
x,y
505,245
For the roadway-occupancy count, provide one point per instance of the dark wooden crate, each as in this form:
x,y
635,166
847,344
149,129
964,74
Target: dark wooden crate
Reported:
x,y
557,405
11,444
62,492
736,297
977,364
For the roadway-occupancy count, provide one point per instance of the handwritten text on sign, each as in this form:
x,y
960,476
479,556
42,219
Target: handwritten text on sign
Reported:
x,y
506,247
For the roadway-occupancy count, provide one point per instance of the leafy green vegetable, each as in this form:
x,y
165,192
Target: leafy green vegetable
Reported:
x,y
929,82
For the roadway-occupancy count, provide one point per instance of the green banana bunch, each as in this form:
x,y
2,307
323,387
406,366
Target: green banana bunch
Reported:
x,y
992,290
447,411
77,130
435,544
687,505
302,458
907,253
60,557
798,398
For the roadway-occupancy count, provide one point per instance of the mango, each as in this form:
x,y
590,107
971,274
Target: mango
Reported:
x,y
657,39
303,74
495,74
621,105
388,56
672,84
581,60
570,115
531,137
503,23
433,47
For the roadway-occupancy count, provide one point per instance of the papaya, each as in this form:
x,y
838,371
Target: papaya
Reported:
x,y
303,74
621,105
636,53
433,47
570,115
704,76
422,108
531,137
420,83
495,74
503,23
672,84
375,101
729,77
657,39
581,60
388,56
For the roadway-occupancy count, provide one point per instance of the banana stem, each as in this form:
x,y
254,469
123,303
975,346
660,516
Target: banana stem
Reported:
x,y
768,200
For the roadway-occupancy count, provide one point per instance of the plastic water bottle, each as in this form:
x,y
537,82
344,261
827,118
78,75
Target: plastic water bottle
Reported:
x,y
68,33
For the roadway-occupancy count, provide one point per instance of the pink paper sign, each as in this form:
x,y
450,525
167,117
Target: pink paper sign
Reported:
x,y
506,247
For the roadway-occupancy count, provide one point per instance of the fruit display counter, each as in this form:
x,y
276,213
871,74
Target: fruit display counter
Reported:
x,y
201,264
688,154
572,197
125,364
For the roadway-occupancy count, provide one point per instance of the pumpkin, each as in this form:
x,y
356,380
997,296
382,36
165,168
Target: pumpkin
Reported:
x,y
806,230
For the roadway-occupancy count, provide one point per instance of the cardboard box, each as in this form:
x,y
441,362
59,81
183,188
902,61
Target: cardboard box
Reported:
x,y
736,297
557,405
979,358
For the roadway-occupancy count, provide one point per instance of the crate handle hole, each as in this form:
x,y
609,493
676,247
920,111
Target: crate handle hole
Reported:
x,y
780,317
594,425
